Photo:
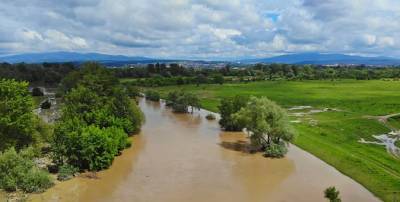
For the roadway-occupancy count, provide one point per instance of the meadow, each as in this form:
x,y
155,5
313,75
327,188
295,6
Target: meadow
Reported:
x,y
333,135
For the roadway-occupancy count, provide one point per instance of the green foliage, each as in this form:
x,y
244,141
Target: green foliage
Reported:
x,y
132,91
105,108
89,147
17,171
96,117
268,124
36,180
17,121
37,91
66,172
180,101
332,194
227,108
152,95
276,150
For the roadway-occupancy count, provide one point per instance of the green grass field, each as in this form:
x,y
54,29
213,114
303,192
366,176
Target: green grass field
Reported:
x,y
335,137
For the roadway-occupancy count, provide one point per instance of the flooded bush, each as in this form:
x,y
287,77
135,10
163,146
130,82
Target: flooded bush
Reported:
x,y
180,101
210,117
18,171
268,125
332,194
152,95
227,108
66,172
276,150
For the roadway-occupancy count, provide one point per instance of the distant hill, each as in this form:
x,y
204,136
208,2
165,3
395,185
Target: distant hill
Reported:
x,y
69,57
120,60
325,59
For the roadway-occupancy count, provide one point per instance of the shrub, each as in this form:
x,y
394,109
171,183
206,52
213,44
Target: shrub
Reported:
x,y
210,117
66,172
276,150
88,147
18,171
132,91
46,104
152,95
36,180
37,92
332,194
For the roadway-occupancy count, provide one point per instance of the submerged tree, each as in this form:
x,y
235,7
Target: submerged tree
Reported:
x,y
332,194
227,108
268,126
180,101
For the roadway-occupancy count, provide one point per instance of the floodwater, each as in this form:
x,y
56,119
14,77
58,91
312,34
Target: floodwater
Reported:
x,y
184,157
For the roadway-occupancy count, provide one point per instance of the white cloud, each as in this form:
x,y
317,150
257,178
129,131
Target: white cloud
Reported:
x,y
59,39
201,28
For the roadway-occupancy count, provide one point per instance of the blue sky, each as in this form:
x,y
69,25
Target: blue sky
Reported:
x,y
201,29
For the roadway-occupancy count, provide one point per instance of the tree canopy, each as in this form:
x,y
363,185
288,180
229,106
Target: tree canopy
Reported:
x,y
227,108
180,101
268,125
97,117
17,121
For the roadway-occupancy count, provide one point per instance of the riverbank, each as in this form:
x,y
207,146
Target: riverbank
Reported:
x,y
184,157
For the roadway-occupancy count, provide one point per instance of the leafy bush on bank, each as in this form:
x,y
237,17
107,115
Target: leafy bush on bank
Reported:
x,y
18,171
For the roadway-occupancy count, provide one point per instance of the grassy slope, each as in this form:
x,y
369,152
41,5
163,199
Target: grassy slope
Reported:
x,y
334,139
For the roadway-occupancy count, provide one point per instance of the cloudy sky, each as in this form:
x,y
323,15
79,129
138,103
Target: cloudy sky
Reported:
x,y
203,29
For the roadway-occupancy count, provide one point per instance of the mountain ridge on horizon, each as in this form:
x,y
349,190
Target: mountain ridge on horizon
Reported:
x,y
296,58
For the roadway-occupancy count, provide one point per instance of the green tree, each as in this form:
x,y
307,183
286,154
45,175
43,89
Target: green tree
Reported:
x,y
332,194
17,121
180,101
96,117
152,95
227,108
268,125
218,78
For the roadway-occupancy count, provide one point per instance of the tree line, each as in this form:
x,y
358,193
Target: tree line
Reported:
x,y
48,74
163,75
176,74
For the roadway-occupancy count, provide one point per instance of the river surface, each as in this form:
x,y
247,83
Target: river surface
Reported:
x,y
184,157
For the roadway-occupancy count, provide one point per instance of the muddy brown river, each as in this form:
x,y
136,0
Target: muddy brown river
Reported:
x,y
184,157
